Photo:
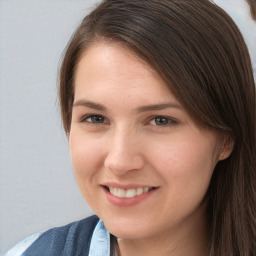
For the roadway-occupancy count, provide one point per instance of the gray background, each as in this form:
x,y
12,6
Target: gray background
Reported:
x,y
37,185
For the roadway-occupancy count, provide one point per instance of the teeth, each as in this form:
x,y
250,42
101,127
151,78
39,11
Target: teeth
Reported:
x,y
120,192
128,193
145,190
139,191
131,193
112,190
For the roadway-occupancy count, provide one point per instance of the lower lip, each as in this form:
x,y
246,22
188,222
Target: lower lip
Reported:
x,y
126,202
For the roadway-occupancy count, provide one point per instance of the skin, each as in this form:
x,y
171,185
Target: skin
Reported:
x,y
127,146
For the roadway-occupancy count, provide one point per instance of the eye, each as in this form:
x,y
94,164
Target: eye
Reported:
x,y
162,121
94,119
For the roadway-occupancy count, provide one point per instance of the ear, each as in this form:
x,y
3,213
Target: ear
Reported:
x,y
226,147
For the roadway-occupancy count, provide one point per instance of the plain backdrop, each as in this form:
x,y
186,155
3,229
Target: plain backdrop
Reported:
x,y
37,186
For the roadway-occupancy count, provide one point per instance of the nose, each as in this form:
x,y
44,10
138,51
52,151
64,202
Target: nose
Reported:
x,y
124,152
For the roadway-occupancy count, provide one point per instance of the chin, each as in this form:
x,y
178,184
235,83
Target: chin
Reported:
x,y
127,227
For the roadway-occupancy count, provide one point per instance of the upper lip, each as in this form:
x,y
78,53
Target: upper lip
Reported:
x,y
126,186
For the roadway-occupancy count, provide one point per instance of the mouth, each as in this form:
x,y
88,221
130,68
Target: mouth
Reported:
x,y
129,193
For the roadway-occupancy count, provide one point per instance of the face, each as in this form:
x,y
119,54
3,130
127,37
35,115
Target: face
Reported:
x,y
141,162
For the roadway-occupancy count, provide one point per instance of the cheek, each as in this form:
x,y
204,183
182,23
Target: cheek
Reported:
x,y
185,159
85,155
185,167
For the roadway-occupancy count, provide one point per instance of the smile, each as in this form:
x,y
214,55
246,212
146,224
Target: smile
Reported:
x,y
129,193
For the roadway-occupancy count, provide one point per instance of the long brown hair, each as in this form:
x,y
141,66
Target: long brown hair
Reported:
x,y
197,48
252,4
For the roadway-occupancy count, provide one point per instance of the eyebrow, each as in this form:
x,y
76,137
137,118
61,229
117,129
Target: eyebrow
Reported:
x,y
140,109
157,107
89,104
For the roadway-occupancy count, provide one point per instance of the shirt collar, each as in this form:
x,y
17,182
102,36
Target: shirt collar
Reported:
x,y
100,243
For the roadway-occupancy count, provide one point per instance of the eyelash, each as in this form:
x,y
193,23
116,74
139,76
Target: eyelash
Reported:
x,y
84,119
167,120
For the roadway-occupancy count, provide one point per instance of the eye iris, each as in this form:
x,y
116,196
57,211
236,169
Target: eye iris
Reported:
x,y
161,120
97,119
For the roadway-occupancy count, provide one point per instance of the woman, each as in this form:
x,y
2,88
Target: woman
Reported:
x,y
158,103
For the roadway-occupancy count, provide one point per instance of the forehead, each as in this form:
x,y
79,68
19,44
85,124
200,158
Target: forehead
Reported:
x,y
113,55
105,66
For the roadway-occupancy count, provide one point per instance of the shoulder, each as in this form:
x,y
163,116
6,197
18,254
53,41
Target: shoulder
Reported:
x,y
19,248
71,239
